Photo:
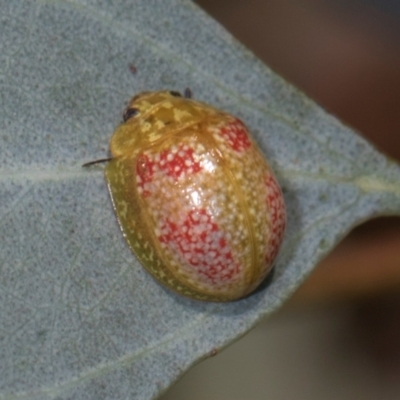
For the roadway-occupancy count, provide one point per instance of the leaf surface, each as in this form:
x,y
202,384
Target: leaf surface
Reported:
x,y
80,319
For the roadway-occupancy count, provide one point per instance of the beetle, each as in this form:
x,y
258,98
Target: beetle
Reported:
x,y
194,196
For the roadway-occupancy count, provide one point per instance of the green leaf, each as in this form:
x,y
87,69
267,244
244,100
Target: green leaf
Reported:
x,y
79,318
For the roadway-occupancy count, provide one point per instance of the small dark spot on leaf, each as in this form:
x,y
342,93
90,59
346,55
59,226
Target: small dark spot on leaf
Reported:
x,y
323,197
132,68
323,244
213,352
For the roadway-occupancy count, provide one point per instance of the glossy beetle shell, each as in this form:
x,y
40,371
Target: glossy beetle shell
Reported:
x,y
195,198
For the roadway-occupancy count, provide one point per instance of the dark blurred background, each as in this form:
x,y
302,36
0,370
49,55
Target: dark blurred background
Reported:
x,y
339,336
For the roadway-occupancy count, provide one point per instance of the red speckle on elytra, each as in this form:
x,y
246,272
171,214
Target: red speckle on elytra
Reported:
x,y
174,163
178,163
202,245
235,133
278,217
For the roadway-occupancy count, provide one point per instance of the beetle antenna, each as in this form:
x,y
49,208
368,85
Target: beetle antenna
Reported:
x,y
97,162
